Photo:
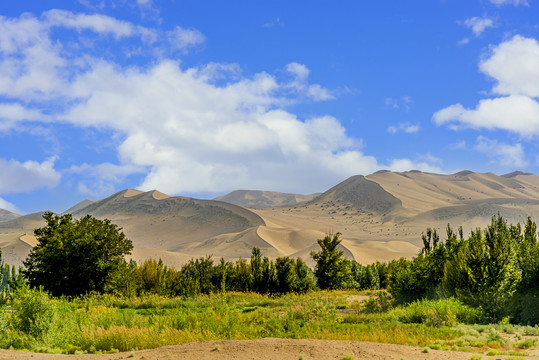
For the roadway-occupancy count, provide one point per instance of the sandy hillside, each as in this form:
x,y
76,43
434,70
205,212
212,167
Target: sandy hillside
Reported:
x,y
256,199
381,217
7,215
266,349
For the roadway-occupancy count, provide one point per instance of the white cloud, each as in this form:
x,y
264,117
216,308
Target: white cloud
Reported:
x,y
27,176
30,61
515,113
101,24
319,93
478,25
505,154
514,64
300,84
183,39
510,2
405,127
196,136
204,129
101,179
299,70
407,164
6,205
12,113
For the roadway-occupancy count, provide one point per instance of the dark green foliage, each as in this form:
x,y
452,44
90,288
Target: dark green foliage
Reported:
x,y
264,273
430,240
74,257
332,269
496,269
257,270
305,277
241,279
485,271
421,277
524,303
372,276
196,277
10,279
287,277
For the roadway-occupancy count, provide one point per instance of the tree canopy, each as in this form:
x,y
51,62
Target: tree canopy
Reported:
x,y
332,269
76,256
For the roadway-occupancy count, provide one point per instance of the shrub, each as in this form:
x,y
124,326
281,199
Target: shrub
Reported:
x,y
437,313
528,343
34,311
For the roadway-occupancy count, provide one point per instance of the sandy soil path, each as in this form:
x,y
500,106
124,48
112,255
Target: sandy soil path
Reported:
x,y
265,349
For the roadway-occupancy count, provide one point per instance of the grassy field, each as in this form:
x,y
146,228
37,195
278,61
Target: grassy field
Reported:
x,y
105,323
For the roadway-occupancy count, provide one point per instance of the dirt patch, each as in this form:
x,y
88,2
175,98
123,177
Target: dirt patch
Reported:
x,y
263,349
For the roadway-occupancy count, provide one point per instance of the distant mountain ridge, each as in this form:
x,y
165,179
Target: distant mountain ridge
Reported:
x,y
381,217
6,215
258,199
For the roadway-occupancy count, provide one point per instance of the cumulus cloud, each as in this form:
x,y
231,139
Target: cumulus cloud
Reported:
x,y
26,176
505,154
183,39
30,61
300,84
515,113
514,65
13,113
478,25
190,130
195,136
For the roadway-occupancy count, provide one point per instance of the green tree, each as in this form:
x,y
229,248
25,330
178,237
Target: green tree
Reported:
x,y
287,278
76,256
485,271
332,269
305,277
257,269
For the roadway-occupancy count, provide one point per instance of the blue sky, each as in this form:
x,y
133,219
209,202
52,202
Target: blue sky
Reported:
x,y
199,98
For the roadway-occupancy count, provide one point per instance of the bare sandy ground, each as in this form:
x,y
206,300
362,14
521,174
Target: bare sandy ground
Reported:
x,y
265,349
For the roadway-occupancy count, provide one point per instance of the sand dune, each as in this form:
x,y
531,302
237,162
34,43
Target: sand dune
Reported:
x,y
381,217
256,199
7,215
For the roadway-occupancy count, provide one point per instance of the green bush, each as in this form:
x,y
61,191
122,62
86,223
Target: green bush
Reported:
x,y
33,311
438,312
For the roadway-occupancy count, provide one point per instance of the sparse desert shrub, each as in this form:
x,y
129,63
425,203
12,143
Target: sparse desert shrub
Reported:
x,y
527,344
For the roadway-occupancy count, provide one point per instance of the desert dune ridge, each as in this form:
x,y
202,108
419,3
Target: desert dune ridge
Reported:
x,y
381,217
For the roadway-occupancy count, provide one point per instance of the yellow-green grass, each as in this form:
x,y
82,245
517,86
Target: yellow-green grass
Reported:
x,y
105,323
